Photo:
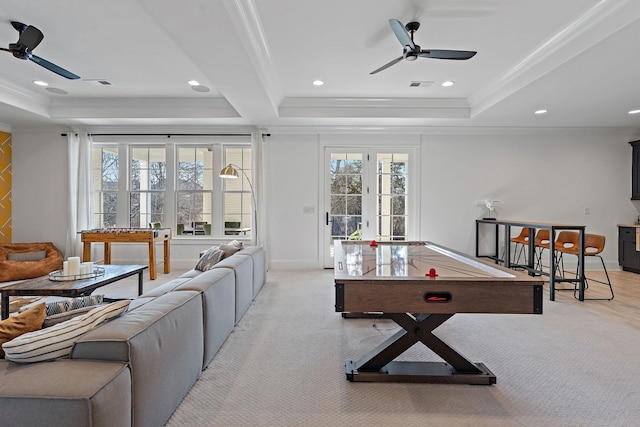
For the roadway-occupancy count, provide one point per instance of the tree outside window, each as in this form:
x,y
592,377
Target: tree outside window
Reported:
x,y
104,181
194,193
148,174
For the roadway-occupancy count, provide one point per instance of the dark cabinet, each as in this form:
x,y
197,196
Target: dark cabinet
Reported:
x,y
635,171
628,257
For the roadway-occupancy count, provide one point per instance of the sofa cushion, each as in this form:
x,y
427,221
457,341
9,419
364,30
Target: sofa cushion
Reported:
x,y
190,274
57,341
242,267
162,341
217,287
259,266
164,288
28,321
209,258
65,393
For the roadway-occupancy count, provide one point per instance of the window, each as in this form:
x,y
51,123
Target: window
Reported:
x,y
194,193
346,195
391,209
148,174
237,193
105,171
175,184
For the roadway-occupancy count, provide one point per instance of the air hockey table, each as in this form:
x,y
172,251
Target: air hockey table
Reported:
x,y
419,286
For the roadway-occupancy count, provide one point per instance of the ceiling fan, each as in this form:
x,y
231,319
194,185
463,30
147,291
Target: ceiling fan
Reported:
x,y
29,38
411,51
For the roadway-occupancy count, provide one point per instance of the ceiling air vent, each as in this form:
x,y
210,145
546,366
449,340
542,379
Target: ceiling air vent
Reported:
x,y
420,83
98,82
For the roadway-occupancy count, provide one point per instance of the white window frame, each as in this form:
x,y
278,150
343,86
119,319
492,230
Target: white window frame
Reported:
x,y
131,191
245,178
125,144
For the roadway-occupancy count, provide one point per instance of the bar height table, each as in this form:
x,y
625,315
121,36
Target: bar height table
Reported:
x,y
530,266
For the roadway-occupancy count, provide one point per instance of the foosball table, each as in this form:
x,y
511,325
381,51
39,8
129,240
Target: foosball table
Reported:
x,y
151,236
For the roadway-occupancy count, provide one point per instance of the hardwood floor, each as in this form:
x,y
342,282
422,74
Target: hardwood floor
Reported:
x,y
624,308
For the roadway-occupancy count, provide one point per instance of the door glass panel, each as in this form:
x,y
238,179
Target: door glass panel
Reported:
x,y
391,209
345,182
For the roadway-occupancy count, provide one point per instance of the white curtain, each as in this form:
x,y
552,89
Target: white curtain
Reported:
x,y
257,145
79,156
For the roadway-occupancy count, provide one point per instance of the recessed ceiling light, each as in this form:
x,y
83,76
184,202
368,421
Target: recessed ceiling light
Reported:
x,y
318,82
448,83
193,83
40,83
634,111
540,112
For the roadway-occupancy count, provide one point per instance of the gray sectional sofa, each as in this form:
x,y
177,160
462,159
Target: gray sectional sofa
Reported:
x,y
135,369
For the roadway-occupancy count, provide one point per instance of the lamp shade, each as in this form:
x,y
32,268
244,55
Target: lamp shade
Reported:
x,y
229,172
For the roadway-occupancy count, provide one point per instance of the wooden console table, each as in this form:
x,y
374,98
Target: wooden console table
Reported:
x,y
530,266
129,235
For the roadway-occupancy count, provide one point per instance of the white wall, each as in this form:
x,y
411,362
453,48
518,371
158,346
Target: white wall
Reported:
x,y
541,175
40,196
292,237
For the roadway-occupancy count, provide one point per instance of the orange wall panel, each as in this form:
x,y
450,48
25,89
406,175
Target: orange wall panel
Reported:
x,y
5,187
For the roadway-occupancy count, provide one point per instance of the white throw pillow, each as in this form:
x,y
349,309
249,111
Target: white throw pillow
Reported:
x,y
58,340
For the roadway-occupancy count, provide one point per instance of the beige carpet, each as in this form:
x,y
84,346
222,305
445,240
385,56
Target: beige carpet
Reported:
x,y
284,366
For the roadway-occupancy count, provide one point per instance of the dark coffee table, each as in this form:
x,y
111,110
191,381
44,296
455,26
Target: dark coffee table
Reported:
x,y
43,286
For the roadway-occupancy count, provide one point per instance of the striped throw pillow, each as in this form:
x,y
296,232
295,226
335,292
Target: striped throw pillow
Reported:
x,y
73,304
58,340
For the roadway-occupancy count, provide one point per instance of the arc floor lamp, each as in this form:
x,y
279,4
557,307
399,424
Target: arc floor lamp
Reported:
x,y
231,172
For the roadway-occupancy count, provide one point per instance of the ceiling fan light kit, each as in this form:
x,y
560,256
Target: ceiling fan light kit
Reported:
x,y
411,51
29,38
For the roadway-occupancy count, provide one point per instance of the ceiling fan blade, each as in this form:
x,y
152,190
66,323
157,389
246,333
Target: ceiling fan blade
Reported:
x,y
402,34
387,65
53,67
30,37
447,54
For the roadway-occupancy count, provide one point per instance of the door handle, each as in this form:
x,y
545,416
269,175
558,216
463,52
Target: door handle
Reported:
x,y
327,218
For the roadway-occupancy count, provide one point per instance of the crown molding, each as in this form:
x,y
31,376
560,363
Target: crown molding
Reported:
x,y
183,108
23,99
453,130
406,108
599,22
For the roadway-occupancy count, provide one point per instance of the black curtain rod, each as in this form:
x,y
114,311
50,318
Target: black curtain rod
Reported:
x,y
169,135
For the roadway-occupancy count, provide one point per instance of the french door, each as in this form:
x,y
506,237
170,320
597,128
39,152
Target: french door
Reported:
x,y
368,195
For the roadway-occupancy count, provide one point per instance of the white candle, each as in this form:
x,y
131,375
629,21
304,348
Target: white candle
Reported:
x,y
87,268
74,265
65,268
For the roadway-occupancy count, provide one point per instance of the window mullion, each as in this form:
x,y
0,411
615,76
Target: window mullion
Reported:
x,y
170,190
123,186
